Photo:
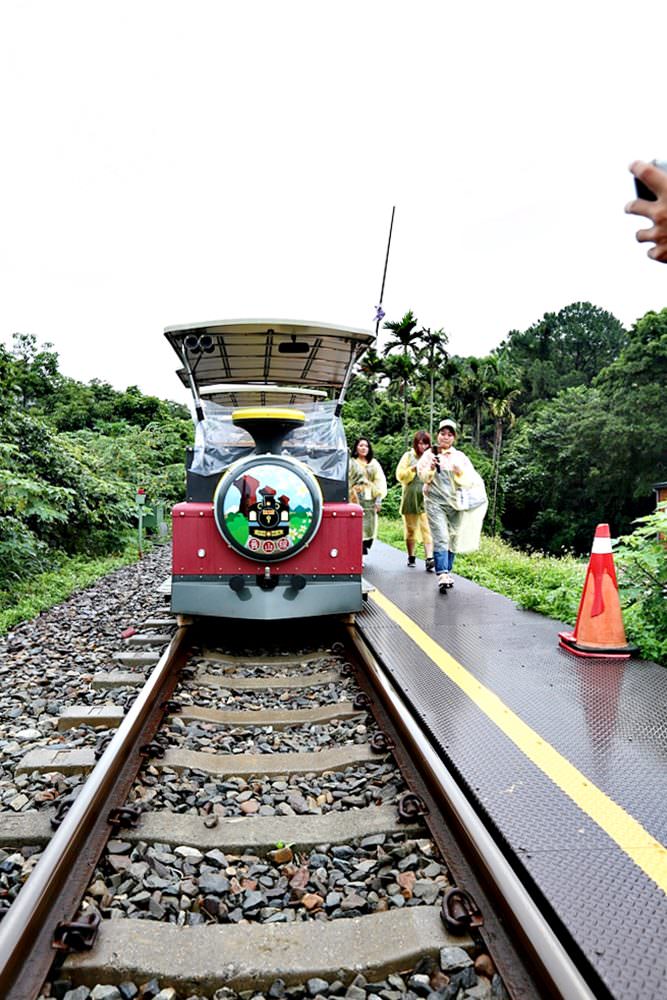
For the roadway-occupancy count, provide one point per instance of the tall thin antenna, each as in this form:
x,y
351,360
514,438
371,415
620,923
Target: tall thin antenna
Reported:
x,y
379,313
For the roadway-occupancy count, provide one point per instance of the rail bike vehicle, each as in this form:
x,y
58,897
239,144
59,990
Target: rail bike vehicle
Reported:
x,y
267,531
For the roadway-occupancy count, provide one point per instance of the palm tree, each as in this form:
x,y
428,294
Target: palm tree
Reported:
x,y
400,371
474,388
404,333
406,339
503,387
433,355
372,367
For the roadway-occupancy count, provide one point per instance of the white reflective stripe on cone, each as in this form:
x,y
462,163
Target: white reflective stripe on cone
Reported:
x,y
601,546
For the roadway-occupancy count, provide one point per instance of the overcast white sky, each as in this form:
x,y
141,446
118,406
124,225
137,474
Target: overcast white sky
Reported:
x,y
166,162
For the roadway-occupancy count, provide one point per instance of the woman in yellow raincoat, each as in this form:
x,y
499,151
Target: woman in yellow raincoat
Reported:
x,y
412,500
367,487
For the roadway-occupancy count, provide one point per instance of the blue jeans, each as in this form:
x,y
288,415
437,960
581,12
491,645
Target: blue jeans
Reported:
x,y
443,561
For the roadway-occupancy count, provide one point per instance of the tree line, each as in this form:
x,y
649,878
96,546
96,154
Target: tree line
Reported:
x,y
72,457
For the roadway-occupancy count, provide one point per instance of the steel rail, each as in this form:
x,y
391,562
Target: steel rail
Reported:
x,y
55,887
552,966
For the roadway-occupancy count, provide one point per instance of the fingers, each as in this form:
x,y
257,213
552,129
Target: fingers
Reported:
x,y
655,178
637,167
646,235
640,207
658,252
657,236
651,177
651,174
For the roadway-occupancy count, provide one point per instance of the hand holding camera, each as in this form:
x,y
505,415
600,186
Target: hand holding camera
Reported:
x,y
651,203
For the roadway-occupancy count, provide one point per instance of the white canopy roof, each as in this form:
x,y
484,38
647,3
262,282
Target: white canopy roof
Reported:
x,y
279,352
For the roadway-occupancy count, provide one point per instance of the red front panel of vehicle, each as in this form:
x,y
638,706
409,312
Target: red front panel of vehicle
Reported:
x,y
195,531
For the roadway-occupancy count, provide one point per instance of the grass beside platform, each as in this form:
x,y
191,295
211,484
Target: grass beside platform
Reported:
x,y
43,591
536,582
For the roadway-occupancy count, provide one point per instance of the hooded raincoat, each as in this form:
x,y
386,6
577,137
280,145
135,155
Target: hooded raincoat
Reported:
x,y
455,504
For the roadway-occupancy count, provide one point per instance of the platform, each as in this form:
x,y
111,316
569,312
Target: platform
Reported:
x,y
564,757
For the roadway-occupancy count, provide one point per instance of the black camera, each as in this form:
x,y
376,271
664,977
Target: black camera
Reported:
x,y
642,190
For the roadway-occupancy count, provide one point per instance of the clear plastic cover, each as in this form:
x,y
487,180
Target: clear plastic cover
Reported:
x,y
320,442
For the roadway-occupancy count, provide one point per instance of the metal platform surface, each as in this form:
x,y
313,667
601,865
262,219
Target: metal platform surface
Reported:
x,y
564,757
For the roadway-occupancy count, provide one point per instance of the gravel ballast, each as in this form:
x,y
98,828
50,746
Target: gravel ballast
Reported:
x,y
48,666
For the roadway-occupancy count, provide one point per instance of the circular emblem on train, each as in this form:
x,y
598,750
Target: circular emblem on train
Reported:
x,y
268,507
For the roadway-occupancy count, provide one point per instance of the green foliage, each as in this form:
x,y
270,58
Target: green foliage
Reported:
x,y
21,552
31,375
400,368
591,454
391,505
641,563
36,379
470,378
64,493
27,508
557,477
383,427
480,459
151,456
34,501
390,530
61,496
643,361
6,381
633,389
388,451
536,582
68,575
371,369
97,406
562,350
405,334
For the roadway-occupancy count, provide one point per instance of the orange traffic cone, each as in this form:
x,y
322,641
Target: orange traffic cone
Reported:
x,y
599,630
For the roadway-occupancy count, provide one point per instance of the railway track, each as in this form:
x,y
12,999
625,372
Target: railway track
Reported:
x,y
265,823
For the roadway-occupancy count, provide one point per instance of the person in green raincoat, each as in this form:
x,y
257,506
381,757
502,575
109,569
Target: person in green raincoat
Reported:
x,y
414,517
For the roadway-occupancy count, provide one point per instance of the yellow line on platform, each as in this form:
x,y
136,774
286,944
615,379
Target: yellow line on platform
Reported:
x,y
646,852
